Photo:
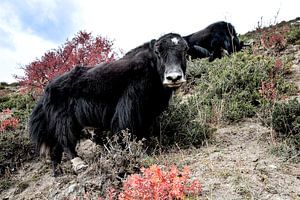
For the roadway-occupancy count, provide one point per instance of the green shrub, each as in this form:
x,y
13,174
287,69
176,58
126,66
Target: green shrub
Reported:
x,y
14,84
226,90
185,123
15,149
286,121
4,99
3,84
293,36
286,117
235,83
5,184
20,104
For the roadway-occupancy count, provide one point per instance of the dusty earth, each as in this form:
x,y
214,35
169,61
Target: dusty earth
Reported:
x,y
238,164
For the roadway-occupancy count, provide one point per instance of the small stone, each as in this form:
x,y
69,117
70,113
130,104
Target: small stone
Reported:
x,y
272,166
72,188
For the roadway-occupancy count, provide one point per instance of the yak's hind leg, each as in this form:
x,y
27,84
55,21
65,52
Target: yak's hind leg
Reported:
x,y
218,46
56,156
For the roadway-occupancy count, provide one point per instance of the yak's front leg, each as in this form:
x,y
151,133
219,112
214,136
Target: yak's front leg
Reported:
x,y
78,164
71,136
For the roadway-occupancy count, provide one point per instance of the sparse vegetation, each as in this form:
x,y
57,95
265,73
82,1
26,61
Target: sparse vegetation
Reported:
x,y
286,122
293,36
15,147
119,157
286,117
19,104
185,123
3,84
224,91
234,84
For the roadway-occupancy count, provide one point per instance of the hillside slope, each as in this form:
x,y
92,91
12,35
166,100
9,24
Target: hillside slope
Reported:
x,y
243,160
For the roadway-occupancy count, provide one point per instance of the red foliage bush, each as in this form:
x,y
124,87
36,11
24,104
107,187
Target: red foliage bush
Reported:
x,y
7,121
268,88
274,38
83,49
156,184
275,41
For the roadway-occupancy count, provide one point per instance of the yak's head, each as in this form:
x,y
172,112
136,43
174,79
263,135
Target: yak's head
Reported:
x,y
170,50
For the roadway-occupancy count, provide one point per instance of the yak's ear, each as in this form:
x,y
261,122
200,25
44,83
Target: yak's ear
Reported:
x,y
152,43
187,47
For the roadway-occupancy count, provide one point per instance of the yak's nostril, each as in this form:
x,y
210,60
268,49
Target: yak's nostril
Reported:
x,y
178,78
174,77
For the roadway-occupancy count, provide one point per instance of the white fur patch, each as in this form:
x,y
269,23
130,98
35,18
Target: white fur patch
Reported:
x,y
224,52
175,40
78,164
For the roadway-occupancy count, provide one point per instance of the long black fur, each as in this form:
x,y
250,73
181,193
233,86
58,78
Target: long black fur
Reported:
x,y
214,38
127,93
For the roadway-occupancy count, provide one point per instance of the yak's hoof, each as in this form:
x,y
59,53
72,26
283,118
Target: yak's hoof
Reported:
x,y
57,173
78,165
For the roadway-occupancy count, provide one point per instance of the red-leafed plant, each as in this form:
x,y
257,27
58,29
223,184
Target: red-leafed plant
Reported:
x,y
157,184
274,39
83,49
7,121
268,88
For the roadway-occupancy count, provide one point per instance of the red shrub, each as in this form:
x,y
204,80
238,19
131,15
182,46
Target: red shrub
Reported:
x,y
156,184
7,121
268,90
274,38
274,41
83,49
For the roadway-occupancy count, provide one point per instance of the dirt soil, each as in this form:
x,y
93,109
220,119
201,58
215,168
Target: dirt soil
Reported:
x,y
239,164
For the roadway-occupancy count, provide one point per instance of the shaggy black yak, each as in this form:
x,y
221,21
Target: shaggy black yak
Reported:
x,y
214,41
128,93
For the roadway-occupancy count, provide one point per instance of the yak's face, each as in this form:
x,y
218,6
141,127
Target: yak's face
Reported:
x,y
171,52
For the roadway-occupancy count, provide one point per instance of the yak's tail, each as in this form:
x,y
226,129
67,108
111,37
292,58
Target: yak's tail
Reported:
x,y
38,130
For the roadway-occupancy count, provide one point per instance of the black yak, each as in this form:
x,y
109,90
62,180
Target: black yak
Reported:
x,y
128,93
214,41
